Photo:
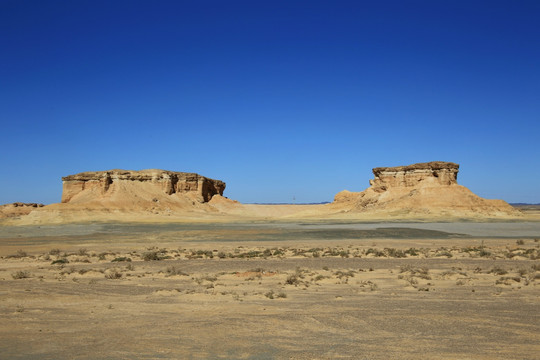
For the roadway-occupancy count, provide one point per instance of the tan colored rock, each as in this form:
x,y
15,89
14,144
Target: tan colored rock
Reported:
x,y
435,172
424,189
426,192
17,209
88,186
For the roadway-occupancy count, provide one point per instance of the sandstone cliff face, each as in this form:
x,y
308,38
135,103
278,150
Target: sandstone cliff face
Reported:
x,y
107,184
424,189
435,172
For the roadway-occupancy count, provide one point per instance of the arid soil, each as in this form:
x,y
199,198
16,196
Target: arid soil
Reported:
x,y
271,291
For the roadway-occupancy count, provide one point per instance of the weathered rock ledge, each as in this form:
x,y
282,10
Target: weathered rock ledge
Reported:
x,y
435,172
168,182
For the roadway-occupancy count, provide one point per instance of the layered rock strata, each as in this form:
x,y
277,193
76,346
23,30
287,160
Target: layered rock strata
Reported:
x,y
435,172
425,188
106,183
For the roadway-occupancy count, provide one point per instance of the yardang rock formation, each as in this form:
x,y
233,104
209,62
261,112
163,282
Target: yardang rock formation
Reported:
x,y
125,195
422,189
152,185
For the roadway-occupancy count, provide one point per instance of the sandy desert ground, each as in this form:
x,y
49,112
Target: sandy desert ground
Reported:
x,y
271,290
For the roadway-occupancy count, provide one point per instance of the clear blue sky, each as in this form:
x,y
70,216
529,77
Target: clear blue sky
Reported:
x,y
279,99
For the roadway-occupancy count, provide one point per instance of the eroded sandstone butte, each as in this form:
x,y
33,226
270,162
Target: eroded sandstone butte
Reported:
x,y
420,189
154,185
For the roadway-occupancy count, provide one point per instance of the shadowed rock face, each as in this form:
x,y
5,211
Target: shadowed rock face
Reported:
x,y
435,172
168,182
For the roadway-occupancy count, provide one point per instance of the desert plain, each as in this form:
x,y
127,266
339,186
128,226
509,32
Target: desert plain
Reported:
x,y
271,290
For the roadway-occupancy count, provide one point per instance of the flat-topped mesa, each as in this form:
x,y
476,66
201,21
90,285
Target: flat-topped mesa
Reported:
x,y
430,173
104,183
421,190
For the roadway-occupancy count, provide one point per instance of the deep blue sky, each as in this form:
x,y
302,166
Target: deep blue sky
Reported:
x,y
276,98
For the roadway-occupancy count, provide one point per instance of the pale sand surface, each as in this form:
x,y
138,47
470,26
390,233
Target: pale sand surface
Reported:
x,y
281,290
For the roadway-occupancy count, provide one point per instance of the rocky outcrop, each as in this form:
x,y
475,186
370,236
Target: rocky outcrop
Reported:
x,y
435,172
105,184
17,209
424,189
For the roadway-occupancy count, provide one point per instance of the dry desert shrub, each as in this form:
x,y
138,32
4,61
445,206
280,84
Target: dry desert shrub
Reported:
x,y
61,261
19,255
395,253
113,274
172,270
152,256
443,252
412,252
421,272
375,252
293,279
497,270
341,274
372,286
272,295
21,274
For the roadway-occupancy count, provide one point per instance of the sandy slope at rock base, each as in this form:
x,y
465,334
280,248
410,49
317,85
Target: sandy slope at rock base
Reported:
x,y
225,210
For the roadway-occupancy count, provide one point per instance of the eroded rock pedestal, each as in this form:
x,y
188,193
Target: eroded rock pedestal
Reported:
x,y
421,189
88,186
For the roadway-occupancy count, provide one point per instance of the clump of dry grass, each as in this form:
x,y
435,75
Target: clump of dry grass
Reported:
x,y
113,274
497,270
151,256
172,271
54,252
421,272
272,295
344,274
18,255
21,274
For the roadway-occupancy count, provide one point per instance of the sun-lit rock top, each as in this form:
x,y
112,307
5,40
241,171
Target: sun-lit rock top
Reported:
x,y
435,172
